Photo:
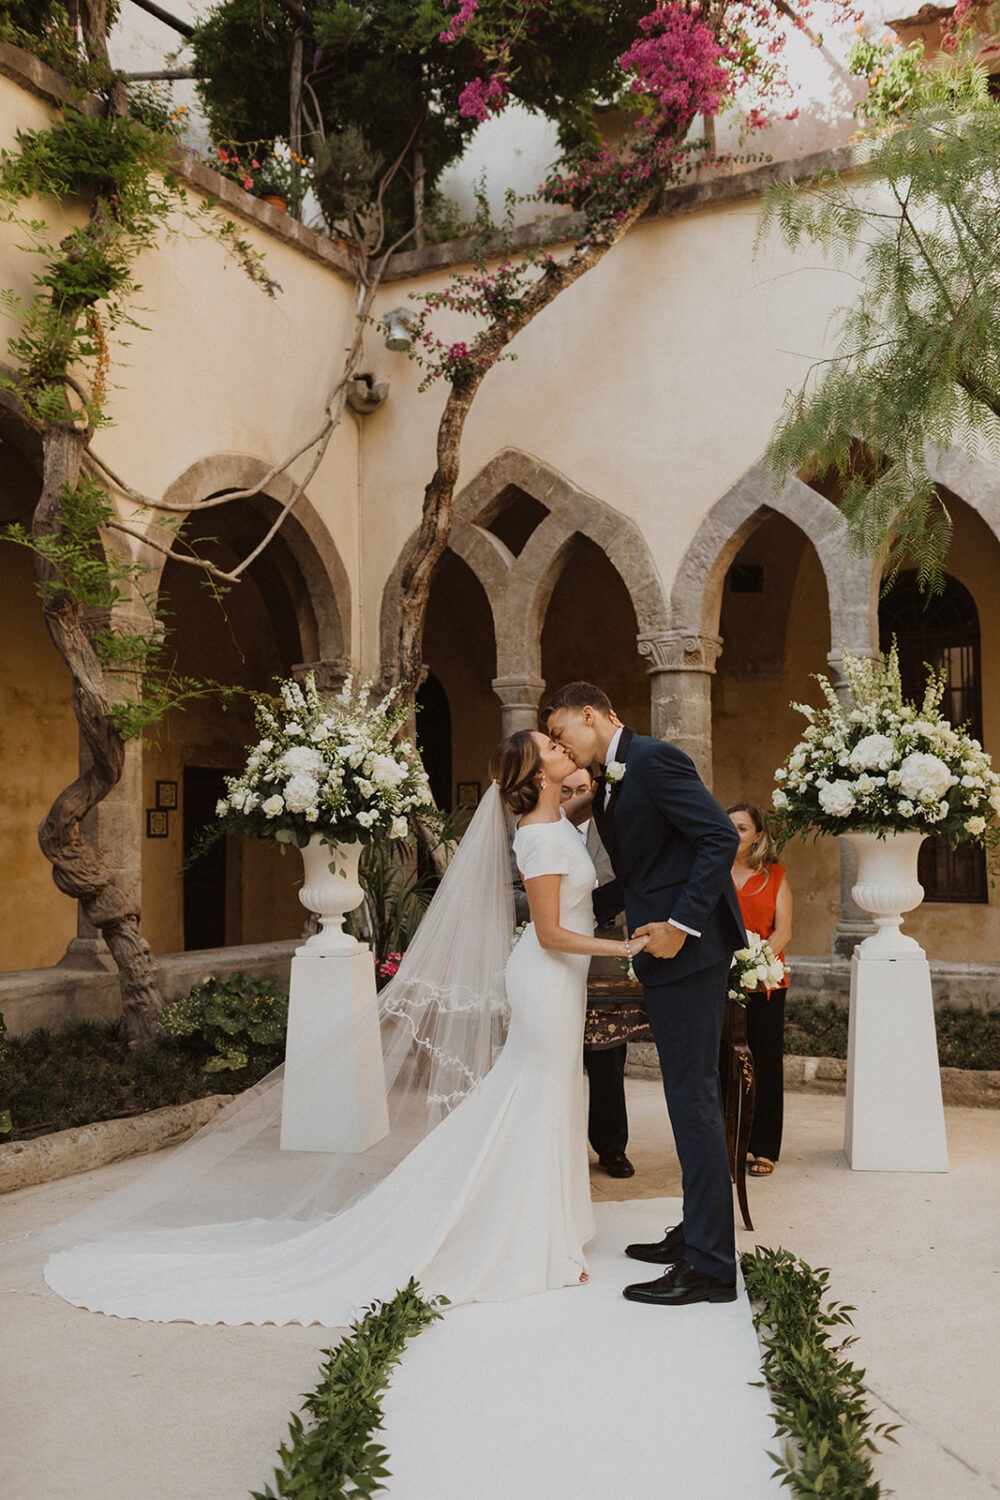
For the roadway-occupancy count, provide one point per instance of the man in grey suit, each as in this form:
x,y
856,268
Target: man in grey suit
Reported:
x,y
607,1116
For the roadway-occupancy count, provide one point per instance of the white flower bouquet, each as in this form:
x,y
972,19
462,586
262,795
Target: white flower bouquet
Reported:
x,y
326,765
877,764
754,969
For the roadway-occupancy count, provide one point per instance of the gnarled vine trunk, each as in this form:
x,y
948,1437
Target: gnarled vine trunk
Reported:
x,y
78,869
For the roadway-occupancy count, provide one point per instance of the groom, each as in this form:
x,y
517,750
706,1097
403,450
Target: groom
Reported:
x,y
671,847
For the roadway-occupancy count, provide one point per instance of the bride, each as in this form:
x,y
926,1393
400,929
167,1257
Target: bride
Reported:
x,y
493,1203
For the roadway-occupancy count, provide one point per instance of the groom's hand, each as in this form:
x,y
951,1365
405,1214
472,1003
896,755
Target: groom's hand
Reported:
x,y
664,939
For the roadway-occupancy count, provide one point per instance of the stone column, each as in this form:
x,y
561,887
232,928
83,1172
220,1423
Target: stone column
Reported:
x,y
681,664
853,925
520,697
330,675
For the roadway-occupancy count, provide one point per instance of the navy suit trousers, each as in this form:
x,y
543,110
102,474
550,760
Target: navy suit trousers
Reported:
x,y
686,1021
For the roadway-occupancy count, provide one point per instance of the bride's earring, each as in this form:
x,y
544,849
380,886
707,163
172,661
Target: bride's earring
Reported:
x,y
543,783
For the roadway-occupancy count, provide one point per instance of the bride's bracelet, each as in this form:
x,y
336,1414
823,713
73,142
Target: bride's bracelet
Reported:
x,y
628,950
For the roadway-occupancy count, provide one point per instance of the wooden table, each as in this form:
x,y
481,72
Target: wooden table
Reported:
x,y
735,1064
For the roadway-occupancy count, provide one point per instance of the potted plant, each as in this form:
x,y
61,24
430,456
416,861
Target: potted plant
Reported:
x,y
327,776
885,773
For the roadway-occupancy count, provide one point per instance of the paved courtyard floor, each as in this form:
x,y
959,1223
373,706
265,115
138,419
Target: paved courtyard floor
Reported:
x,y
97,1408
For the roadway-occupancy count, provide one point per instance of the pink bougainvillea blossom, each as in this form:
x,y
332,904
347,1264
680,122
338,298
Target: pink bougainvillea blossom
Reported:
x,y
679,63
460,21
483,97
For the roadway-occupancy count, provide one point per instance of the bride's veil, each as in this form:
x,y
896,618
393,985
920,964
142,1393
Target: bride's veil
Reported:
x,y
442,1018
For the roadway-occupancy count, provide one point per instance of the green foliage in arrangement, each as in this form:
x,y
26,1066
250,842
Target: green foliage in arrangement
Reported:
x,y
242,1019
398,887
819,1397
334,1457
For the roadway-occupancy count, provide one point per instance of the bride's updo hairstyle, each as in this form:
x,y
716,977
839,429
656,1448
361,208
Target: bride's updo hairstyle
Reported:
x,y
514,765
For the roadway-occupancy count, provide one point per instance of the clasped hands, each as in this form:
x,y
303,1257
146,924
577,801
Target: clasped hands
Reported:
x,y
660,939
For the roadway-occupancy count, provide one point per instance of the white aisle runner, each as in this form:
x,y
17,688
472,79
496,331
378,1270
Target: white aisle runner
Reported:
x,y
580,1395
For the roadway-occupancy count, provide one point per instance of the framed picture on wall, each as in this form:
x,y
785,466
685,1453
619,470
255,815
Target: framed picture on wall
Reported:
x,y
166,794
157,822
469,793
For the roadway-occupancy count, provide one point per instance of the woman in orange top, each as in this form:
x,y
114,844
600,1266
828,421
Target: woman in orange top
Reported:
x,y
766,903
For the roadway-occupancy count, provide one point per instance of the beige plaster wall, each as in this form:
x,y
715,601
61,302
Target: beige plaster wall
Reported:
x,y
653,383
38,921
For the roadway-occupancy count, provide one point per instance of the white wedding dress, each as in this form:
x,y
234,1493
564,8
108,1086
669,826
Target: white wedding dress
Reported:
x,y
493,1204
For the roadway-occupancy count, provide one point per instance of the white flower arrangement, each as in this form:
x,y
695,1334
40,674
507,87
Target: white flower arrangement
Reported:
x,y
326,765
878,764
754,969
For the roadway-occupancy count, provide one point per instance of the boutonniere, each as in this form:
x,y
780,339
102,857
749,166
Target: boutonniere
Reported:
x,y
615,772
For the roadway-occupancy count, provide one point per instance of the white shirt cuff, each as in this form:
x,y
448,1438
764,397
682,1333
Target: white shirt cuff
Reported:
x,y
689,930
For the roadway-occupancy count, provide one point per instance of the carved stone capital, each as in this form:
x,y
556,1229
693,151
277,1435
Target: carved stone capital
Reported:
x,y
519,692
680,651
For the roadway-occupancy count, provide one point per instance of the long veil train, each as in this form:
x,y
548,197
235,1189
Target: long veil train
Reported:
x,y
442,1021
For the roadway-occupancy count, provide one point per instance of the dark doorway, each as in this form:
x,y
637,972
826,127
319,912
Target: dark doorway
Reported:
x,y
941,631
205,880
434,738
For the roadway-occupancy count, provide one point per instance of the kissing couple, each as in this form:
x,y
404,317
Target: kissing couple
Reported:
x,y
492,1202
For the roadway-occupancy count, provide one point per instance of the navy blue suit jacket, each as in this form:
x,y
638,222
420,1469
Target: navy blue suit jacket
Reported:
x,y
671,846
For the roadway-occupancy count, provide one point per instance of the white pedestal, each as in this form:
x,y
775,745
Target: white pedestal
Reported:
x,y
334,1088
895,1117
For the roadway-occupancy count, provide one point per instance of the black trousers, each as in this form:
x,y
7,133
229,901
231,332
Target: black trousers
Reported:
x,y
686,1021
766,1036
607,1120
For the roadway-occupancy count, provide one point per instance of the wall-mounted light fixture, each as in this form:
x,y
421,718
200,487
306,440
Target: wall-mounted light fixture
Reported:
x,y
397,325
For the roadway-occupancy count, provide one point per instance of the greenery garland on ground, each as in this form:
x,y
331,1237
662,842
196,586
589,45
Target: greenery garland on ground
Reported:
x,y
334,1457
818,1396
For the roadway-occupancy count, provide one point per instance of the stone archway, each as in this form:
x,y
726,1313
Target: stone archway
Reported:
x,y
518,574
327,586
690,649
291,612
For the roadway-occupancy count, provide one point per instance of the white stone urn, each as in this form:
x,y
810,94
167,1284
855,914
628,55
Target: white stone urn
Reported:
x,y
330,890
886,887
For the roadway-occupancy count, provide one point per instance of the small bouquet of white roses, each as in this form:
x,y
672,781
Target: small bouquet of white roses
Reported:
x,y
327,765
754,969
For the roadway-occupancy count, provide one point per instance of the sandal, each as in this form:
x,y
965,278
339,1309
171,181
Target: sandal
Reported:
x,y
761,1167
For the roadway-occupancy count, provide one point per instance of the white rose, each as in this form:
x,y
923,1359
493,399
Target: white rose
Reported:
x,y
400,828
836,798
779,799
905,809
237,798
976,826
273,807
864,784
387,771
924,778
221,808
366,819
615,771
300,760
875,752
301,792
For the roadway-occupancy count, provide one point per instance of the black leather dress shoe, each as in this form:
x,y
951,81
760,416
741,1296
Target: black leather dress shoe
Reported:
x,y
665,1252
681,1285
618,1165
